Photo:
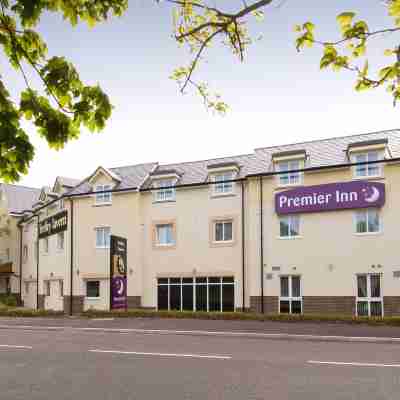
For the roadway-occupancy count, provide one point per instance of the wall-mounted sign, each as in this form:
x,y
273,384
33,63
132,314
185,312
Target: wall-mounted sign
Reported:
x,y
118,268
329,197
54,224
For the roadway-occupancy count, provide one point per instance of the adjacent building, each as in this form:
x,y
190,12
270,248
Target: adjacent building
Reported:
x,y
303,228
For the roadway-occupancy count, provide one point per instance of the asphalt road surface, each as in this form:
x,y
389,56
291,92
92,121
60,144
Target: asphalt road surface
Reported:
x,y
112,359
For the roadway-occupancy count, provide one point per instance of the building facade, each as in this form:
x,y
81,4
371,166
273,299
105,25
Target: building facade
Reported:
x,y
303,228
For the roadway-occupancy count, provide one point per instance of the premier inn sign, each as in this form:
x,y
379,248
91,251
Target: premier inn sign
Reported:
x,y
54,224
330,197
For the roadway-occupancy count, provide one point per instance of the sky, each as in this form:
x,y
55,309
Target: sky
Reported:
x,y
276,96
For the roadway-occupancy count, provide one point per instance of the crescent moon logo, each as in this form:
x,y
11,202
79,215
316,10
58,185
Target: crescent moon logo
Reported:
x,y
120,289
371,194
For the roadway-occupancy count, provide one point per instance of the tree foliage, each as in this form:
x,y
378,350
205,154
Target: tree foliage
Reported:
x,y
65,104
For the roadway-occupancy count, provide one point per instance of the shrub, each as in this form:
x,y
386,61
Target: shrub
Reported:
x,y
8,300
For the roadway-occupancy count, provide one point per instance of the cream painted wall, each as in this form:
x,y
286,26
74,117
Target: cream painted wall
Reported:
x,y
192,212
122,216
328,254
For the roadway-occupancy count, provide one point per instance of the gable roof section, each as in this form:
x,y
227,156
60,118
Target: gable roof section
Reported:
x,y
130,177
20,198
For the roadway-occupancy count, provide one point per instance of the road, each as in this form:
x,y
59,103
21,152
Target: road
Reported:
x,y
113,359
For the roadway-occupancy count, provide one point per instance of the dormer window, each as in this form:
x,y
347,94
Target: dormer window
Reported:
x,y
289,178
165,190
225,184
367,170
289,163
101,197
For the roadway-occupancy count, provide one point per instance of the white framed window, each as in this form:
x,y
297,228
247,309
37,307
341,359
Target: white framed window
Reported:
x,y
290,299
369,302
93,289
289,226
223,186
60,240
223,231
47,288
290,178
367,221
196,294
164,235
103,198
45,242
165,192
103,237
367,170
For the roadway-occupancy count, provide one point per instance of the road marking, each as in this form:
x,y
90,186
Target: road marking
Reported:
x,y
281,335
140,353
354,364
10,346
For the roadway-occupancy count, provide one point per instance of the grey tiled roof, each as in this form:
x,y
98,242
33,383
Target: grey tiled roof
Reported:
x,y
332,151
20,198
197,171
68,182
131,176
319,153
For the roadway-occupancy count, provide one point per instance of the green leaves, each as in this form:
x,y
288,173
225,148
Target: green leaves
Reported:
x,y
307,37
345,20
16,151
68,104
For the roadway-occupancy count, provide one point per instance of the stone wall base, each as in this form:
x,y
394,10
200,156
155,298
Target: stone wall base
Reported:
x,y
270,304
77,304
391,305
339,305
41,301
134,302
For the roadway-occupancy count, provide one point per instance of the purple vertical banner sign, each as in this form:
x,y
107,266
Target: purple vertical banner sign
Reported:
x,y
118,277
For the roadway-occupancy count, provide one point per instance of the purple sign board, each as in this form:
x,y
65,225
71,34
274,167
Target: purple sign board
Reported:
x,y
330,197
118,267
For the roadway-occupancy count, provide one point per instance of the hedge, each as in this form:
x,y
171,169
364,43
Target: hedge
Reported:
x,y
238,316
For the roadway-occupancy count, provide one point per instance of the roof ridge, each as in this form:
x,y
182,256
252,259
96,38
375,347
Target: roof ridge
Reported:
x,y
20,186
328,139
132,165
208,159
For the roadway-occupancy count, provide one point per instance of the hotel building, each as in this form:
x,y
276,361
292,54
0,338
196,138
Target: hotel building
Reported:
x,y
303,228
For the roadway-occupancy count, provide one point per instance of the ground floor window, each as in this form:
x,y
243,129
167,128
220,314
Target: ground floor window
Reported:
x,y
290,300
47,288
369,295
196,294
93,289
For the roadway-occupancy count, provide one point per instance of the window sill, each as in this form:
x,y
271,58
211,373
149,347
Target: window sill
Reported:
x,y
368,233
289,237
102,247
225,243
163,201
93,298
164,246
102,204
368,178
219,195
289,186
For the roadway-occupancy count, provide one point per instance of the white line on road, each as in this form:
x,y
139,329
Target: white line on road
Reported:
x,y
139,353
9,346
354,364
281,335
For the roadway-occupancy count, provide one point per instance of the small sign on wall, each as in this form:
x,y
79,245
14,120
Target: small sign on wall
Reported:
x,y
55,224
